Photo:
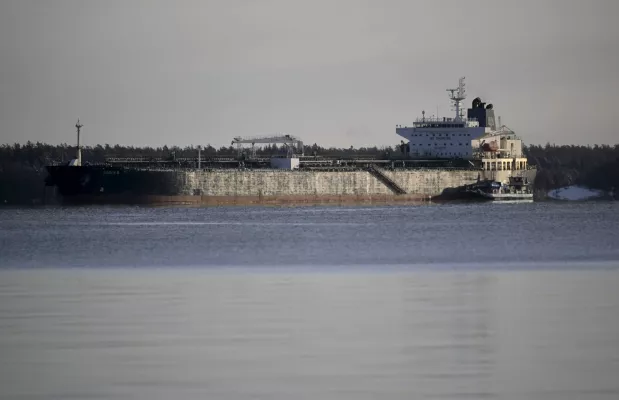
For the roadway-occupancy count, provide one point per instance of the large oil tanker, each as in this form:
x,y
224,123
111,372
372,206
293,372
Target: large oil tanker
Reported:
x,y
442,158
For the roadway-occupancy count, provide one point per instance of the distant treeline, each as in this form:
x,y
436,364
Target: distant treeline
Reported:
x,y
592,166
39,154
22,169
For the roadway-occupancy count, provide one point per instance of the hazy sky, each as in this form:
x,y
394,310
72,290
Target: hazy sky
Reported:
x,y
334,72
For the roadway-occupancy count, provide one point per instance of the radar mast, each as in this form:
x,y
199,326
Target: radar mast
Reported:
x,y
456,96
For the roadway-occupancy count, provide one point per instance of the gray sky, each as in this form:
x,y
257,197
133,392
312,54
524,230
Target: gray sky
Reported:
x,y
334,72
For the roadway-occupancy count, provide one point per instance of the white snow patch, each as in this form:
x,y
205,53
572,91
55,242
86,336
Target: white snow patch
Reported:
x,y
574,193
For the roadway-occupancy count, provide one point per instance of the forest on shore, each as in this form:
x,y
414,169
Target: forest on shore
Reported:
x,y
22,166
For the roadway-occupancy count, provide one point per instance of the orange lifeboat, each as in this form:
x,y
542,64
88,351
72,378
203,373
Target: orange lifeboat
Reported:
x,y
491,147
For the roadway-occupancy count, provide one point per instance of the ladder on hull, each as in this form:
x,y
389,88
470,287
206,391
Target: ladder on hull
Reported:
x,y
395,188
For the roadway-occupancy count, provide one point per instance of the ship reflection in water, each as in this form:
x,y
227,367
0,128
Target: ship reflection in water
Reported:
x,y
449,302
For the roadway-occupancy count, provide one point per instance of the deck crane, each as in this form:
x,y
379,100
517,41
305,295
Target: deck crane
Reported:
x,y
293,144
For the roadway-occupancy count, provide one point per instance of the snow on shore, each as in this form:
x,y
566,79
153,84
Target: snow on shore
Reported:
x,y
574,193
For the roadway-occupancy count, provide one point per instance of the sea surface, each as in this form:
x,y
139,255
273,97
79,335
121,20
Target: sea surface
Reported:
x,y
484,301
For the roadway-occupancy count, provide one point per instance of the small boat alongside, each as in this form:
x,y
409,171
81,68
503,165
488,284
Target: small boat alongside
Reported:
x,y
517,189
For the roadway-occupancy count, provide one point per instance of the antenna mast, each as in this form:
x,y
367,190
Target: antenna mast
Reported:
x,y
79,146
457,95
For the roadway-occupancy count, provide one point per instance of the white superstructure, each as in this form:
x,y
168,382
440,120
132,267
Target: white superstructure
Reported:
x,y
432,137
458,136
441,138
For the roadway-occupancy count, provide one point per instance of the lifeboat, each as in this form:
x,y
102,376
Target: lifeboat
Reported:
x,y
491,147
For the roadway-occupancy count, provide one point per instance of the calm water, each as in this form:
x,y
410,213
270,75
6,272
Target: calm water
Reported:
x,y
444,302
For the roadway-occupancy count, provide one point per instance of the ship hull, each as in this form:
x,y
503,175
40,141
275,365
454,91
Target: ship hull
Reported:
x,y
103,185
106,181
131,186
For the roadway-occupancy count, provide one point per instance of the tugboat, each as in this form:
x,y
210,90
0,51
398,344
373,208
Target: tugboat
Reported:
x,y
517,189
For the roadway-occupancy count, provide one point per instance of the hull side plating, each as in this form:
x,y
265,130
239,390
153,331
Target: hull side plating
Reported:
x,y
114,185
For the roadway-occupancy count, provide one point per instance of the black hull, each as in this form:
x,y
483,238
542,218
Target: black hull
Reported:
x,y
105,181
